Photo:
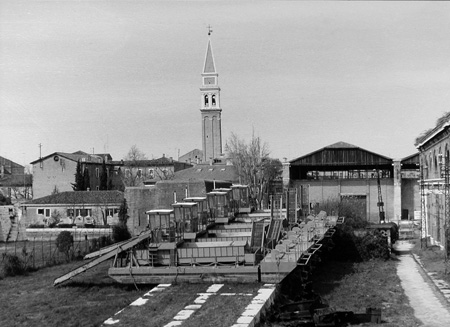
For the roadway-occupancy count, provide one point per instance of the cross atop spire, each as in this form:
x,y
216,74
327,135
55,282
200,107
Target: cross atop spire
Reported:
x,y
209,29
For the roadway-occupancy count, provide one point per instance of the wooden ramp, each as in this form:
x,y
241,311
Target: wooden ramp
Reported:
x,y
120,248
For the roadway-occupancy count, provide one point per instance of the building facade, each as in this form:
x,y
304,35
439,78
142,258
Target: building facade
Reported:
x,y
344,172
56,172
74,207
434,148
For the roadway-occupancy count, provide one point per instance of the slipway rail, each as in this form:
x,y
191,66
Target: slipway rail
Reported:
x,y
108,255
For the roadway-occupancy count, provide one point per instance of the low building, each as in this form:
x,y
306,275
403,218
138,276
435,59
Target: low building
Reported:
x,y
78,207
345,172
14,182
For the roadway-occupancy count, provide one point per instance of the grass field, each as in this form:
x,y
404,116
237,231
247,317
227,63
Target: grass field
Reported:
x,y
433,259
92,297
349,286
87,300
357,286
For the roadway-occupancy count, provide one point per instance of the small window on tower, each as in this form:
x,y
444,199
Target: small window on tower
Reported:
x,y
213,100
206,100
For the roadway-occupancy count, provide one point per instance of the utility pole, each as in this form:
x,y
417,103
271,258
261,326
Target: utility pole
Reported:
x,y
380,202
444,166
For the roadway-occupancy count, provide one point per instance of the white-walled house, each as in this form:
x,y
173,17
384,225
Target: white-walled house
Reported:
x,y
78,207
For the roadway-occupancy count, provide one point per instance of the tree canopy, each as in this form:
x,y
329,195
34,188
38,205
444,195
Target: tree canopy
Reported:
x,y
254,166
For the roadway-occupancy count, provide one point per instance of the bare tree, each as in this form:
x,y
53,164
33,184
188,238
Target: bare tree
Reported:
x,y
164,173
132,174
253,164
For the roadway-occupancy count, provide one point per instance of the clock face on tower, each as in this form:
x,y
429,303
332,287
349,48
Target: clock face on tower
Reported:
x,y
209,81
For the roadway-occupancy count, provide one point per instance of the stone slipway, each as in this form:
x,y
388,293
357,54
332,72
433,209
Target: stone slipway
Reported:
x,y
166,305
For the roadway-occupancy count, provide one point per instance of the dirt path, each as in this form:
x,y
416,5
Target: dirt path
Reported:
x,y
423,298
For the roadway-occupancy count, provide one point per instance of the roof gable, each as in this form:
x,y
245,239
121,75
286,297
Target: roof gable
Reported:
x,y
341,154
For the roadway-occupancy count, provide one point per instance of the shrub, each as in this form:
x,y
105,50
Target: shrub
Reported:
x,y
65,225
104,240
54,219
13,265
64,243
361,246
120,233
36,226
373,245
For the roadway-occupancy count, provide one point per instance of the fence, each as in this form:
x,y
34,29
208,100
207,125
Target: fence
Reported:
x,y
40,249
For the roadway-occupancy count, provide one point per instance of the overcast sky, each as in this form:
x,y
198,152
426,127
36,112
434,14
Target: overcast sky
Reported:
x,y
105,75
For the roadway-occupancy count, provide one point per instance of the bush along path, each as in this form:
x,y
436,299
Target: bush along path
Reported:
x,y
428,304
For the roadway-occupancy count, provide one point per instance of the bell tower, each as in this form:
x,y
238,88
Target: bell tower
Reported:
x,y
210,108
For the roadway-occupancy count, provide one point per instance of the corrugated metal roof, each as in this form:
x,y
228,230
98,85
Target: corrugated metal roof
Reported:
x,y
81,197
341,153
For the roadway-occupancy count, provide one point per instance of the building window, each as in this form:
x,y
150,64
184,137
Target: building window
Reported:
x,y
97,172
70,213
97,188
151,173
45,212
83,212
139,173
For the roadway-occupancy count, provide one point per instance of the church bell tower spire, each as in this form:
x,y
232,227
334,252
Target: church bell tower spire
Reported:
x,y
210,107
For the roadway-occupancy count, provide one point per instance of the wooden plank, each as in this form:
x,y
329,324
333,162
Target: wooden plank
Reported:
x,y
104,257
274,230
257,237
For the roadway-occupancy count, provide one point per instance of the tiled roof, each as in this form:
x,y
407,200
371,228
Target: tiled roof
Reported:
x,y
8,163
16,180
163,161
208,172
84,197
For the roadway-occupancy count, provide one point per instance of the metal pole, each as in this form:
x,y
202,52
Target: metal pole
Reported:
x,y
423,233
447,205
